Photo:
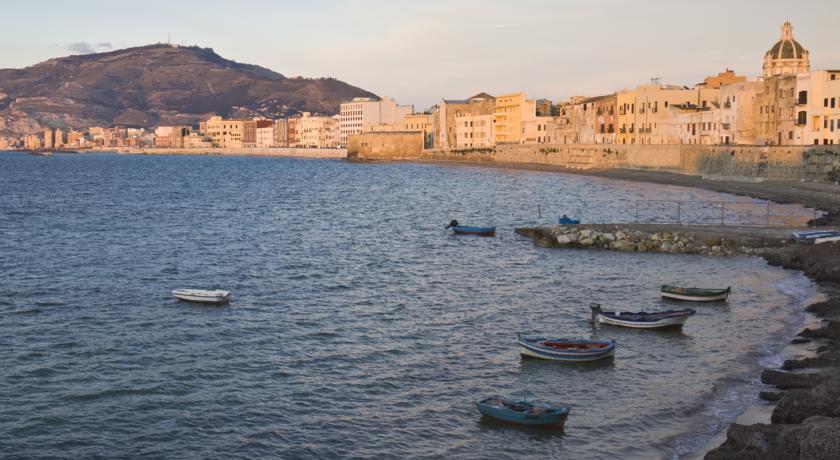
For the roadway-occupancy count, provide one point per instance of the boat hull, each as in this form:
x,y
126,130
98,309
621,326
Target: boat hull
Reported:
x,y
532,349
202,298
478,231
695,295
675,321
553,417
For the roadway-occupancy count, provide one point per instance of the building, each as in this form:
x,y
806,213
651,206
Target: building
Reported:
x,y
472,131
292,137
163,137
265,134
727,77
363,113
737,112
626,117
787,56
318,132
33,142
421,122
75,138
598,120
818,108
281,132
445,119
512,112
229,133
49,139
776,105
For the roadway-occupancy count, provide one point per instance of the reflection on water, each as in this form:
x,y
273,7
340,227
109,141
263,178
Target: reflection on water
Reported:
x,y
358,326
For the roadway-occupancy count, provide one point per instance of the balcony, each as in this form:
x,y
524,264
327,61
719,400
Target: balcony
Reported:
x,y
725,126
622,130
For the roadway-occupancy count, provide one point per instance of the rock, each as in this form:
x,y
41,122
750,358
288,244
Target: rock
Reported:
x,y
788,380
831,330
586,241
771,395
655,237
623,246
822,440
817,438
799,340
564,240
798,405
642,247
620,235
585,233
608,237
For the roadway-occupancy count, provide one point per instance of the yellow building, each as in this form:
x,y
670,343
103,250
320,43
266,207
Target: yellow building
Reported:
x,y
445,119
472,131
421,122
626,117
818,108
225,133
513,112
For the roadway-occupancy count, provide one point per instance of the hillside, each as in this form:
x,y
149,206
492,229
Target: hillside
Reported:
x,y
155,85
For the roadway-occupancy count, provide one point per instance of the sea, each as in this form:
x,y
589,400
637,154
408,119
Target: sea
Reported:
x,y
358,326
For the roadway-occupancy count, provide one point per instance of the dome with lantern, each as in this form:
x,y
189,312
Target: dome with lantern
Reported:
x,y
787,56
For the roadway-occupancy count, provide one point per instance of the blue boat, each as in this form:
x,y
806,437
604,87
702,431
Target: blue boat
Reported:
x,y
523,412
565,350
464,230
566,220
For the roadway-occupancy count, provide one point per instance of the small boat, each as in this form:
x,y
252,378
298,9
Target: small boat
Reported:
x,y
641,320
812,236
523,412
695,294
464,230
566,220
565,350
827,239
201,296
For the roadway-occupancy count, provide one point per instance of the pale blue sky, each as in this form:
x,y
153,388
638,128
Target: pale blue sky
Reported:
x,y
420,51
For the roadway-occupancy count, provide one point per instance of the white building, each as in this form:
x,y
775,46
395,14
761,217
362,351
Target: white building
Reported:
x,y
362,113
818,108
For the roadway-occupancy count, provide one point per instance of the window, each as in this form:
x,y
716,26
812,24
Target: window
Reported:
x,y
832,102
803,97
802,118
790,134
825,102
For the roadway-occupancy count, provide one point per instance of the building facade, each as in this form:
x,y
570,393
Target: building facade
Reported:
x,y
363,113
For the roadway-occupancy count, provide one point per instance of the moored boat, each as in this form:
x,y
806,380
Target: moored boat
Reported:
x,y
566,220
523,412
466,230
695,294
816,236
202,296
565,350
641,320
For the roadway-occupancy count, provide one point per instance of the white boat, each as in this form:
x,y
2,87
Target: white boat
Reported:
x,y
827,239
201,296
641,320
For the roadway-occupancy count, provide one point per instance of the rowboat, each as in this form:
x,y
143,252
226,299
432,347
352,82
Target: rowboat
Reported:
x,y
695,294
816,236
523,412
565,350
201,296
641,320
465,230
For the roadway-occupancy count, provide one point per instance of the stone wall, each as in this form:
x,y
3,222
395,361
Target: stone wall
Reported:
x,y
385,145
736,161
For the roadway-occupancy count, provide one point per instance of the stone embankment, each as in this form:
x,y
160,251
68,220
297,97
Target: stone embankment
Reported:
x,y
672,239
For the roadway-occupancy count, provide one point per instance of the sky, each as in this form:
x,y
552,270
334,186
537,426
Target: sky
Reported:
x,y
421,51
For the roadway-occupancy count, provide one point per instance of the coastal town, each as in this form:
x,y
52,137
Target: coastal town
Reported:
x,y
790,104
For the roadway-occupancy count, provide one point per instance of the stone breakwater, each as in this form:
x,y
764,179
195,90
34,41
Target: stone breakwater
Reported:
x,y
717,241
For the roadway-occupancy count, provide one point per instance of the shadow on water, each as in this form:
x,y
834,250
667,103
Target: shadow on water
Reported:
x,y
535,433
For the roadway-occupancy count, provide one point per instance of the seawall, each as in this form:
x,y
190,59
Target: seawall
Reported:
x,y
258,152
749,163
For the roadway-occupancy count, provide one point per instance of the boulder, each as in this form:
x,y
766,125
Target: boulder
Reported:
x,y
586,241
623,246
585,233
822,440
817,438
608,237
771,395
798,405
563,240
789,380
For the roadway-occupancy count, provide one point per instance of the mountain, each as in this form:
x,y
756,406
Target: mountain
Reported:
x,y
155,85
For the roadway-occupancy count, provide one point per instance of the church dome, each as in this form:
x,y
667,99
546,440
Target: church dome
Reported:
x,y
787,56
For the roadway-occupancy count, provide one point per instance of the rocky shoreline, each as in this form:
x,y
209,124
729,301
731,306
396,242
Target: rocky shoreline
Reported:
x,y
805,422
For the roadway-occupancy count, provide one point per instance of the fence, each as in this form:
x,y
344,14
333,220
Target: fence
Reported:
x,y
731,213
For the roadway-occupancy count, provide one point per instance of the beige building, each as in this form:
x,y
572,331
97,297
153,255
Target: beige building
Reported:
x,y
513,112
48,141
265,134
225,133
776,111
421,122
737,112
363,113
626,117
652,102
318,132
445,124
281,132
787,56
818,108
473,131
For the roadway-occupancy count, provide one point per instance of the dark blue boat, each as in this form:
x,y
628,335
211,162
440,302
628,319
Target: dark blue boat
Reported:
x,y
566,220
464,230
523,412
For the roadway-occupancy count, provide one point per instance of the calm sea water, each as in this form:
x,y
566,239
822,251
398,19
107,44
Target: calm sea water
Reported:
x,y
358,327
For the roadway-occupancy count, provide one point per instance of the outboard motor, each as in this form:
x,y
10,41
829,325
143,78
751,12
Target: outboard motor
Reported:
x,y
596,308
454,223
